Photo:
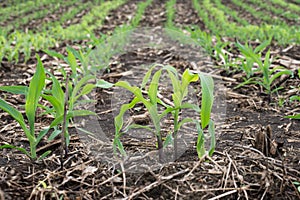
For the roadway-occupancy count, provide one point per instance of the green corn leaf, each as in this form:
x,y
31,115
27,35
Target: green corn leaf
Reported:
x,y
171,69
207,87
293,116
191,106
246,82
175,82
152,92
41,135
118,144
166,111
34,92
77,87
73,63
276,89
295,98
86,90
262,46
211,130
71,114
54,54
54,134
154,117
17,116
137,126
80,83
119,118
56,90
19,89
280,73
159,101
266,68
135,90
200,147
147,77
47,110
169,140
244,49
44,155
187,78
85,131
177,99
75,53
183,121
8,146
104,84
58,105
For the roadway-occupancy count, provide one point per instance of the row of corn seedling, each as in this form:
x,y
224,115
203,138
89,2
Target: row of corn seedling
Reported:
x,y
257,67
62,97
218,24
23,43
276,10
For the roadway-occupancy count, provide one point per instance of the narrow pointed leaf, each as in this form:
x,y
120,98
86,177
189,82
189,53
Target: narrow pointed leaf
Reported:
x,y
19,89
207,87
17,116
104,84
211,130
152,92
34,92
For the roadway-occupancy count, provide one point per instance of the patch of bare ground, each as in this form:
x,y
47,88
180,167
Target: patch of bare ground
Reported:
x,y
186,15
120,16
155,14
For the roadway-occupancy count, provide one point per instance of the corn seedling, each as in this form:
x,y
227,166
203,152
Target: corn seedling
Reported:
x,y
297,116
151,102
81,83
33,95
151,105
268,74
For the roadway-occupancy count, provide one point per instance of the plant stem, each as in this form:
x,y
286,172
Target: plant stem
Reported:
x,y
160,147
64,125
175,134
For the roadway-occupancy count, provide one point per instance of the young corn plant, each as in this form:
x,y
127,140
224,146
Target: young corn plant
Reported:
x,y
269,75
81,83
151,105
151,102
180,91
57,99
296,116
207,87
33,95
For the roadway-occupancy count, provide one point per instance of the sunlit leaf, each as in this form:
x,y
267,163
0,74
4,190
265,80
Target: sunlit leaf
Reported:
x,y
34,93
207,87
104,84
19,89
